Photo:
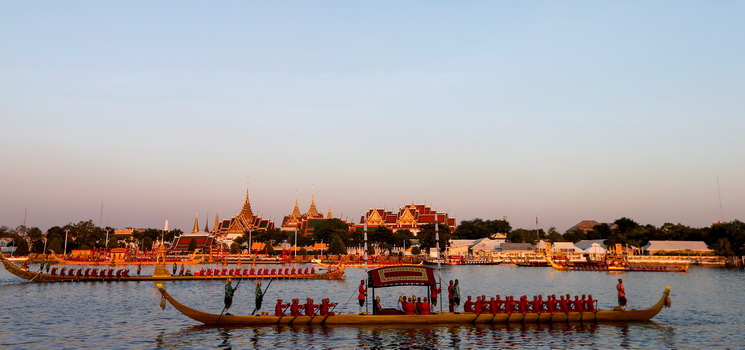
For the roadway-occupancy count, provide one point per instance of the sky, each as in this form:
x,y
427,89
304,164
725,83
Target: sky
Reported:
x,y
556,110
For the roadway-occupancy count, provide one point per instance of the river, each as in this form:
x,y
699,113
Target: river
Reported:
x,y
706,313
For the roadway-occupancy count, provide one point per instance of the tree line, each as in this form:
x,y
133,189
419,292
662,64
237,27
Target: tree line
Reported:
x,y
726,238
81,235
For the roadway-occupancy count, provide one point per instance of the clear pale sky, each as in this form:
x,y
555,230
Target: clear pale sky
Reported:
x,y
561,110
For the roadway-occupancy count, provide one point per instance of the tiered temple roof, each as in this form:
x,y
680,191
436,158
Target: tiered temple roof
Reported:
x,y
307,222
410,217
243,221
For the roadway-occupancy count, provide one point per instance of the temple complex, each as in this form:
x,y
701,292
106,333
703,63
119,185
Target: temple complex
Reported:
x,y
229,229
305,223
204,240
409,217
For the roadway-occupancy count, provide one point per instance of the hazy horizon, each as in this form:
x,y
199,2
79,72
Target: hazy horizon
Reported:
x,y
564,111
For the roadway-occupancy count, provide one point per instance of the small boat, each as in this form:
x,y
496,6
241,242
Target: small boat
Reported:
x,y
161,275
193,260
612,263
363,265
415,276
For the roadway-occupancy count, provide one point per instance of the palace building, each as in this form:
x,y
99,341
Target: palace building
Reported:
x,y
409,217
246,220
306,223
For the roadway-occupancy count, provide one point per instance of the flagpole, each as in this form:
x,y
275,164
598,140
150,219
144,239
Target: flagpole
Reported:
x,y
439,262
366,267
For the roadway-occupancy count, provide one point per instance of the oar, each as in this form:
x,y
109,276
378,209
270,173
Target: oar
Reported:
x,y
350,298
476,318
283,312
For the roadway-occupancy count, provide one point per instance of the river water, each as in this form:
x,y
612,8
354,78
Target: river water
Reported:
x,y
706,313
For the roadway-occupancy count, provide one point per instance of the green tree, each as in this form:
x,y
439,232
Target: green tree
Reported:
x,y
337,247
112,243
525,236
427,236
193,246
479,228
402,238
235,248
383,237
553,235
147,243
325,230
416,250
55,245
21,246
270,248
303,251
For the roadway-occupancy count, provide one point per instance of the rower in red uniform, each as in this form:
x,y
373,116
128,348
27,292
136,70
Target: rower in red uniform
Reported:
x,y
590,304
478,306
523,304
295,307
279,309
424,307
551,304
535,305
509,304
563,304
409,307
468,305
577,304
310,308
325,305
492,306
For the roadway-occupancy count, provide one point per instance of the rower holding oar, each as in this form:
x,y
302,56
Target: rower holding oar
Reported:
x,y
259,296
229,292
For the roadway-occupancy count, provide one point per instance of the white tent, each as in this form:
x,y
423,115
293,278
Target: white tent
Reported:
x,y
596,249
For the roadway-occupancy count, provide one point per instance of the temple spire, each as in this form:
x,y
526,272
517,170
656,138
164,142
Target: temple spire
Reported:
x,y
313,211
196,223
206,226
217,223
246,211
329,215
296,210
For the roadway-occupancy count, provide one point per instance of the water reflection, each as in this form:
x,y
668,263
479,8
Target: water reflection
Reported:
x,y
127,315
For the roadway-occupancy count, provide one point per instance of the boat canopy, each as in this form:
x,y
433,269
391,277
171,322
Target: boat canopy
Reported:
x,y
406,275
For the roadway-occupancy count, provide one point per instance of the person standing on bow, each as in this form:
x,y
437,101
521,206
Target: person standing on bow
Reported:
x,y
434,292
229,292
621,293
456,296
259,296
451,304
362,296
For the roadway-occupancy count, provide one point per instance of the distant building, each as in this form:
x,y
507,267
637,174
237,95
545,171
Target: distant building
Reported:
x,y
560,247
479,247
204,240
526,247
410,217
584,225
679,247
587,243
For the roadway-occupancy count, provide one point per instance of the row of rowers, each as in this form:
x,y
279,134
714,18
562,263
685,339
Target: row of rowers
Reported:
x,y
90,272
257,272
325,308
538,305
